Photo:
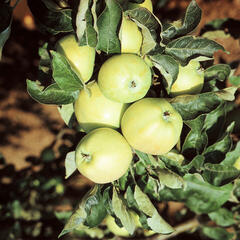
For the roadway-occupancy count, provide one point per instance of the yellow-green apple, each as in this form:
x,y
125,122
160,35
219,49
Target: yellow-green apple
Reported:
x,y
103,155
122,231
93,110
124,78
146,4
114,228
81,58
130,36
237,163
190,80
152,125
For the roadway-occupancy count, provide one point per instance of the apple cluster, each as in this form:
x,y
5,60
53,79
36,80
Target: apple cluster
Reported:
x,y
117,100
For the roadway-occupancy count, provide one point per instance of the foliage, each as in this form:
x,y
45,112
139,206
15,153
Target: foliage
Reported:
x,y
198,172
29,197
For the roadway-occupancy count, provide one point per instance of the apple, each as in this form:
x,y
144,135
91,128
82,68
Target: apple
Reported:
x,y
146,4
93,110
103,155
190,80
122,231
130,36
237,163
124,78
114,228
81,58
152,125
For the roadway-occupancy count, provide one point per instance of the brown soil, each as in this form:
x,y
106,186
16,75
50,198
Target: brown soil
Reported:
x,y
26,127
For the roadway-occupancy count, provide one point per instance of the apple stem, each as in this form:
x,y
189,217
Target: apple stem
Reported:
x,y
133,84
86,157
166,115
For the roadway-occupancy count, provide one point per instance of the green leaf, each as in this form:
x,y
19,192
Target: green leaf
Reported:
x,y
155,221
232,156
187,47
173,160
143,201
67,114
227,94
199,196
5,24
63,215
44,66
191,106
107,24
149,25
218,72
217,23
122,182
3,38
218,175
158,224
214,122
86,29
152,186
225,24
78,216
216,152
51,95
122,212
49,19
168,67
95,209
45,60
47,155
222,217
235,80
94,232
131,202
4,35
108,200
170,178
148,160
140,168
191,20
196,163
203,197
217,233
16,209
217,34
63,74
197,139
70,164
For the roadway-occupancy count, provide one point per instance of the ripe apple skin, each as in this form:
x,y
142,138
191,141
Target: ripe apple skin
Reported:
x,y
152,125
146,4
94,110
237,163
124,78
130,36
103,155
81,58
117,231
114,228
190,80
